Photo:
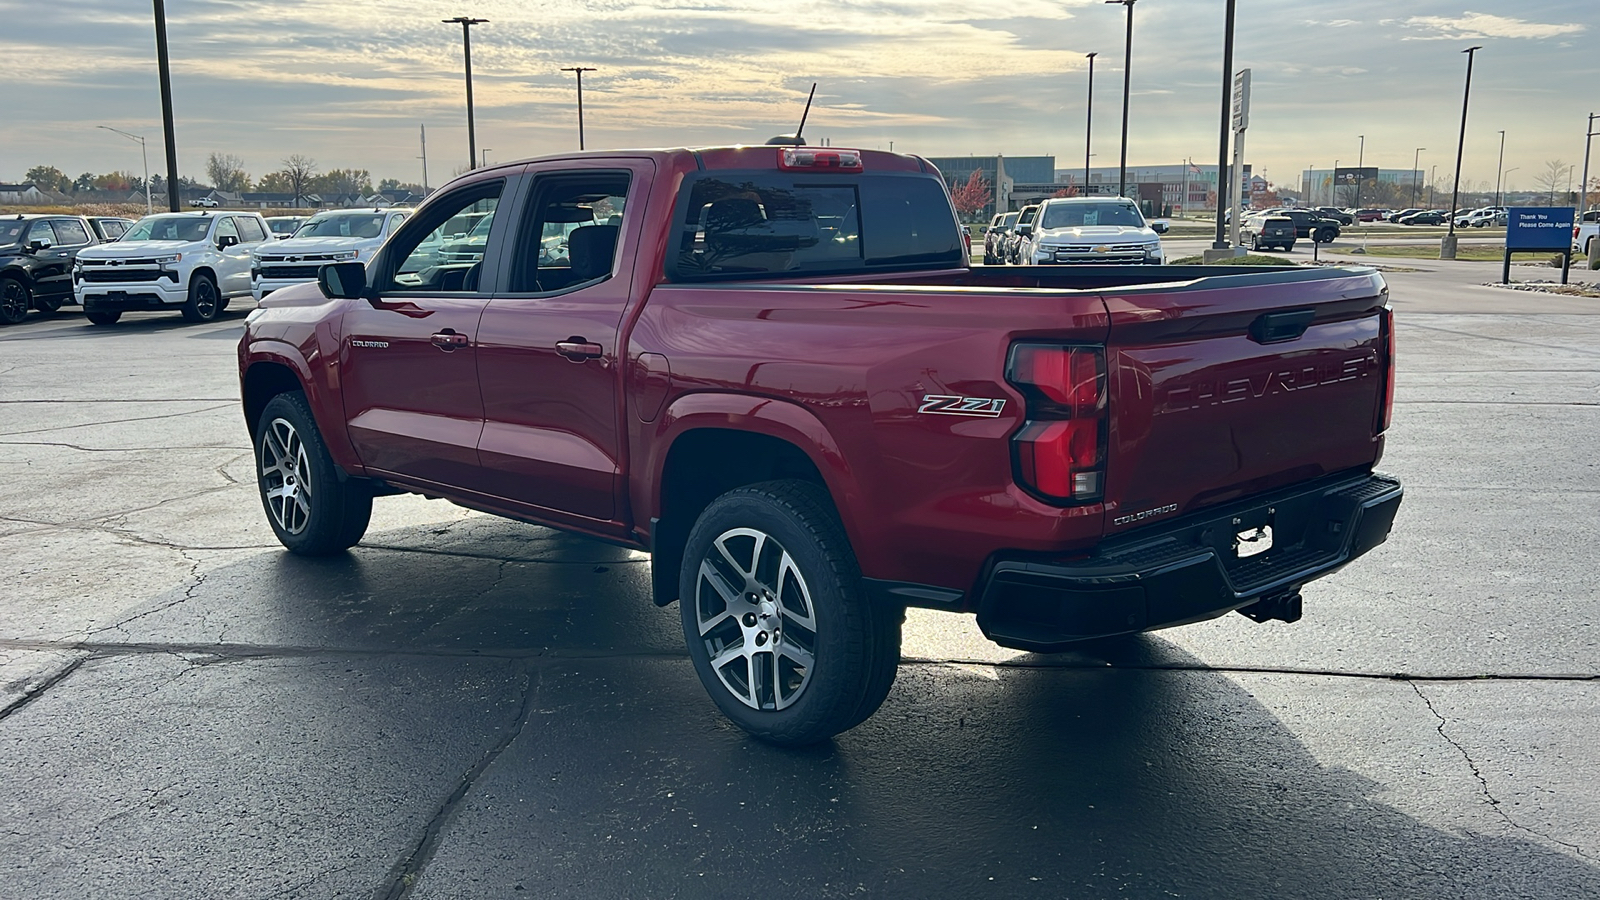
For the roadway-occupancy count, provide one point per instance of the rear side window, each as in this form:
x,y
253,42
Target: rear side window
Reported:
x,y
250,230
71,232
733,224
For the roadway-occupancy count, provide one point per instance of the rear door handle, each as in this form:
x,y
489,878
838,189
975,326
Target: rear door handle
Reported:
x,y
450,340
577,349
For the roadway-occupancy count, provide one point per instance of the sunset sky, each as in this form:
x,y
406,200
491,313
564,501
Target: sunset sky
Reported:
x,y
348,83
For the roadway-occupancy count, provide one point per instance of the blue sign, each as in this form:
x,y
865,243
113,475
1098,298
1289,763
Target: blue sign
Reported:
x,y
1539,228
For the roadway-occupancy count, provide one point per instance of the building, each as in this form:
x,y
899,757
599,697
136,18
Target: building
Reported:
x,y
1185,187
1392,185
1001,172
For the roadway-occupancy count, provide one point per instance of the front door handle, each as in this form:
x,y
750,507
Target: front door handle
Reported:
x,y
450,340
577,349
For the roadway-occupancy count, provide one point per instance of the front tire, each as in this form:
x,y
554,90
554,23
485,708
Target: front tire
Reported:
x,y
1325,236
15,298
312,512
778,627
204,301
104,316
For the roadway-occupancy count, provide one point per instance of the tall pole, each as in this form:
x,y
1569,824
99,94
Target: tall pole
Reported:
x,y
1583,186
1127,84
1499,167
166,107
1361,158
1088,134
145,155
1227,103
1447,250
579,70
424,159
466,52
1416,175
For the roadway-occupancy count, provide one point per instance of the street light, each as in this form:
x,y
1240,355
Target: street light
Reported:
x,y
1088,134
1447,248
1217,242
1127,83
1415,157
1499,166
1508,177
466,52
1583,186
165,69
148,209
579,70
1361,158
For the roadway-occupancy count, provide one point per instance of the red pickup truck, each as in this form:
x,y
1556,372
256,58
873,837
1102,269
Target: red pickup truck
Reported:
x,y
772,368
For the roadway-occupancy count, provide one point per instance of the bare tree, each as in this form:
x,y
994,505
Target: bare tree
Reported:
x,y
227,173
1555,176
299,170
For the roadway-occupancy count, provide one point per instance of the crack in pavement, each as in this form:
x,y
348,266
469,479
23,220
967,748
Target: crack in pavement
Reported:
x,y
133,400
84,449
38,690
188,594
1483,783
403,877
129,535
192,412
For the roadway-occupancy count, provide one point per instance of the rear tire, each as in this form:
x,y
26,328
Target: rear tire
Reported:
x,y
781,633
311,511
104,316
15,298
1325,236
48,307
204,302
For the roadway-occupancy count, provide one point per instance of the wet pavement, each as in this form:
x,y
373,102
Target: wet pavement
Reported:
x,y
465,707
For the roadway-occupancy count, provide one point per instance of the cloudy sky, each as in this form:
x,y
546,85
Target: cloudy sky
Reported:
x,y
347,82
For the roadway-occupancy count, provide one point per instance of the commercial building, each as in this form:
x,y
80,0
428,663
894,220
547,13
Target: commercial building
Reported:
x,y
1016,181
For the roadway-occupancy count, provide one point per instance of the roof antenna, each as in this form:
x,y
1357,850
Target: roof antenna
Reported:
x,y
795,140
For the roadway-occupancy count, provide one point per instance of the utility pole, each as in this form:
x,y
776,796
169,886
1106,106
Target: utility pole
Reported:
x,y
1499,167
424,158
148,209
1417,176
166,107
1088,133
1127,83
466,51
579,70
1218,243
1447,248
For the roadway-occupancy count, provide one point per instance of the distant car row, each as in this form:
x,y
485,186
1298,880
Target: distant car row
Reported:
x,y
1074,231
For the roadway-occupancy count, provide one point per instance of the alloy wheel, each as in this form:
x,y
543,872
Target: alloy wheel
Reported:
x,y
13,301
755,614
286,476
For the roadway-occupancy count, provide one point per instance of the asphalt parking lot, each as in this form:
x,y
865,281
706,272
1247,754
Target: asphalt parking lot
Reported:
x,y
464,707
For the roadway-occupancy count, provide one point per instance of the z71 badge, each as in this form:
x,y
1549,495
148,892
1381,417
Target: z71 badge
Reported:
x,y
946,405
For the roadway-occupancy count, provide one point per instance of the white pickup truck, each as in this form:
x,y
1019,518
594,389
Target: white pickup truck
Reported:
x,y
194,262
345,235
1588,227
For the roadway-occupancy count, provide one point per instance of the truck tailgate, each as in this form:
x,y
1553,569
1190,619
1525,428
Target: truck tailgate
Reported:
x,y
1224,388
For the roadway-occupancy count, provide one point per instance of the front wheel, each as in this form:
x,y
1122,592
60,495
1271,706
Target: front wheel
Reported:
x,y
15,298
204,301
777,625
104,316
1325,236
310,509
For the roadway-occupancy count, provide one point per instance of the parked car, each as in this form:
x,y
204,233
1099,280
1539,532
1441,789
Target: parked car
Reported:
x,y
785,382
205,203
194,262
1309,223
327,237
994,240
283,227
1019,234
1586,229
1399,214
1368,215
1265,231
1482,218
36,258
1426,217
1093,231
1336,214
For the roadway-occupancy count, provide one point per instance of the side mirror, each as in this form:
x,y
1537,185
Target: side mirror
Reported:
x,y
226,241
1025,230
343,281
36,246
1158,227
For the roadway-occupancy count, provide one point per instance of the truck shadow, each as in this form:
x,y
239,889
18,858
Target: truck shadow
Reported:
x,y
1113,777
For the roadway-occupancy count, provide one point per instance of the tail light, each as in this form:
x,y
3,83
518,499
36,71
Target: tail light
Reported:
x,y
1060,452
812,158
1387,326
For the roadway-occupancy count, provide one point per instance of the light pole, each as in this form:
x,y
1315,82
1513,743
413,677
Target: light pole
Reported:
x,y
1499,166
1088,133
1416,174
1447,248
1508,176
484,153
148,209
466,23
165,69
1433,175
579,70
1361,157
1217,242
1127,83
1583,186
424,158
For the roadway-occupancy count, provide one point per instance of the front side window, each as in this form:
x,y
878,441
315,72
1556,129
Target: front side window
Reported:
x,y
226,228
394,222
570,236
442,248
42,233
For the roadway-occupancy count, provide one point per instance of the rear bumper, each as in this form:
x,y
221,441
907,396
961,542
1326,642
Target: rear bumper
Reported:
x,y
1187,570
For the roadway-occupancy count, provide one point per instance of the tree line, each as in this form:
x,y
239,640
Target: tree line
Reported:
x,y
299,176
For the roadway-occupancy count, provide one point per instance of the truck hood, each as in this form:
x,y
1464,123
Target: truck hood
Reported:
x,y
303,245
130,249
1098,233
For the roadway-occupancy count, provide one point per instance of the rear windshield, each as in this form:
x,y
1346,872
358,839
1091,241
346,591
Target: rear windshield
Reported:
x,y
733,224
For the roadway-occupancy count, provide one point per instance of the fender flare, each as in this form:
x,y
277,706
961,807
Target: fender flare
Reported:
x,y
319,396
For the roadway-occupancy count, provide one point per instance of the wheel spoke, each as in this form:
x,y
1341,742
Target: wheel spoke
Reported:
x,y
789,574
723,549
708,624
728,654
799,655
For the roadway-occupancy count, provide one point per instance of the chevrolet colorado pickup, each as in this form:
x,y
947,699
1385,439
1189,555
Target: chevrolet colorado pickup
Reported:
x,y
773,369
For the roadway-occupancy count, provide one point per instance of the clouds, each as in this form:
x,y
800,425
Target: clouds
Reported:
x,y
1472,26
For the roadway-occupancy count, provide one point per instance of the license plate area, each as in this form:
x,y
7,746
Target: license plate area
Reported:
x,y
1250,534
1252,541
